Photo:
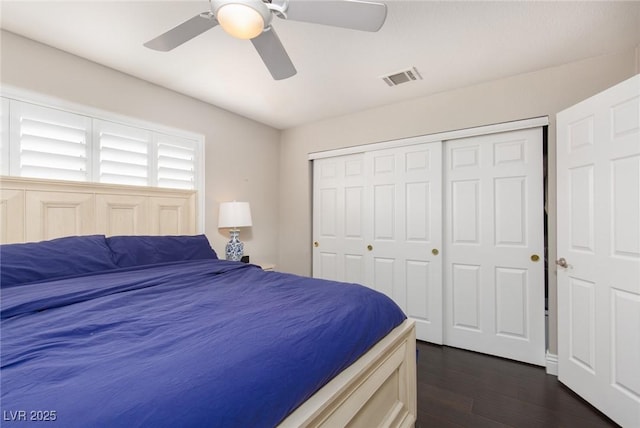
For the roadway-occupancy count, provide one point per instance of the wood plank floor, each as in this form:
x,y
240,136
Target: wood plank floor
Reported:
x,y
458,388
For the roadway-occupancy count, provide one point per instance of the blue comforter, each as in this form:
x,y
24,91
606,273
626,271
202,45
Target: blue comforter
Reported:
x,y
196,343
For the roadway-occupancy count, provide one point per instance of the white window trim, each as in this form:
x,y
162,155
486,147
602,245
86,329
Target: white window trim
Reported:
x,y
47,101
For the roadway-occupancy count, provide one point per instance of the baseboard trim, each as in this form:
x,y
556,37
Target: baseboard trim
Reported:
x,y
552,364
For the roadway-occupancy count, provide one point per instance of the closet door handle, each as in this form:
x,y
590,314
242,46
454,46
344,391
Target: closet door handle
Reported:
x,y
435,252
369,247
316,244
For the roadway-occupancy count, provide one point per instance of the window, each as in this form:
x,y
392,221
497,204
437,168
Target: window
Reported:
x,y
123,154
45,142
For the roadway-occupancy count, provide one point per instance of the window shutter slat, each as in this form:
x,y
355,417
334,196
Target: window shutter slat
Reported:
x,y
55,160
52,145
60,131
123,143
176,152
123,179
123,168
50,172
176,174
174,163
108,154
176,184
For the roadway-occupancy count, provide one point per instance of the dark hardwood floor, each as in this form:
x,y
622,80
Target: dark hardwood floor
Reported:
x,y
458,388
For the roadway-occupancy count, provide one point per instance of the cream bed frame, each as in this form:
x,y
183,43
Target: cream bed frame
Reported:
x,y
379,389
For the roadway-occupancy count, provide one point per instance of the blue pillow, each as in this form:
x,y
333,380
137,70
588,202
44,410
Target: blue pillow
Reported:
x,y
145,250
37,261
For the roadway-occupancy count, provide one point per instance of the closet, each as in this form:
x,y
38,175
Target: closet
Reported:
x,y
377,222
449,226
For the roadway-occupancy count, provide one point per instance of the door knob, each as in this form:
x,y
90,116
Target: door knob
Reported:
x,y
562,262
369,247
435,252
535,257
316,244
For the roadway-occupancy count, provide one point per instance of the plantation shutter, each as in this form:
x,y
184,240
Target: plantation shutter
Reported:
x,y
45,142
123,154
176,162
4,136
50,143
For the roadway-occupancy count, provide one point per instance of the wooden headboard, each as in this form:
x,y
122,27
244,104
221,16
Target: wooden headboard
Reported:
x,y
35,210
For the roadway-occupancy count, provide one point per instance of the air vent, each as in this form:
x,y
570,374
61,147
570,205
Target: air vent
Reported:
x,y
400,77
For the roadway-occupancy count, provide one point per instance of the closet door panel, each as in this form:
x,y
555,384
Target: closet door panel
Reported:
x,y
465,211
327,182
466,303
378,222
384,207
417,276
327,266
494,284
510,211
406,232
417,212
338,220
384,276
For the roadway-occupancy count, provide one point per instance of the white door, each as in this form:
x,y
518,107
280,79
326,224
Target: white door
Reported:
x,y
494,245
598,167
377,221
404,226
338,213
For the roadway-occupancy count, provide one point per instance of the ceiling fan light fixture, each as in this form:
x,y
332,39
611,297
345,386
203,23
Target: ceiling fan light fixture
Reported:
x,y
242,19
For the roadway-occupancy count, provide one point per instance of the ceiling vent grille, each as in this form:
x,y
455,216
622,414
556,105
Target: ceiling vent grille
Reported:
x,y
400,77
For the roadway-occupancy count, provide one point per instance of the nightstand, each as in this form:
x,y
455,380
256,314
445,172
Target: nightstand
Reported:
x,y
266,266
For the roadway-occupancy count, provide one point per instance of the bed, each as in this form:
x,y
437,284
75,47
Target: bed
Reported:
x,y
155,330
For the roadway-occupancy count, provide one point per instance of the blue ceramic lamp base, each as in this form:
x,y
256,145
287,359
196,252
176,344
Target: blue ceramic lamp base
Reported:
x,y
234,249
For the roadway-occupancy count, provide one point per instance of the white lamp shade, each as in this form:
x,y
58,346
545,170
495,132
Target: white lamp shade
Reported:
x,y
234,214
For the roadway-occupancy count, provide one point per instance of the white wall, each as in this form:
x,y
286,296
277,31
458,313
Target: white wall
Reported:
x,y
230,139
540,93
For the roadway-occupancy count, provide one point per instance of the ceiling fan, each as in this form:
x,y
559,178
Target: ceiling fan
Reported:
x,y
251,19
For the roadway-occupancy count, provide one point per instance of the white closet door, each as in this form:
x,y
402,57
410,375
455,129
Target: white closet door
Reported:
x,y
404,228
338,213
494,251
598,149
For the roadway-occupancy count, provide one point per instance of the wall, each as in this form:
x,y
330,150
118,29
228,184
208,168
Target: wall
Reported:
x,y
229,139
540,93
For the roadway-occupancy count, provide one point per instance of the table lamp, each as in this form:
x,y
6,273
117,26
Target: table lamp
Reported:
x,y
234,215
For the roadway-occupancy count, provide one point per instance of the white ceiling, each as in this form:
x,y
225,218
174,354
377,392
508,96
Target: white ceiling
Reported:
x,y
452,44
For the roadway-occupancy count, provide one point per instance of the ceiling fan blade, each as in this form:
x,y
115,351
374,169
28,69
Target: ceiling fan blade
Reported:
x,y
273,54
183,32
353,14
